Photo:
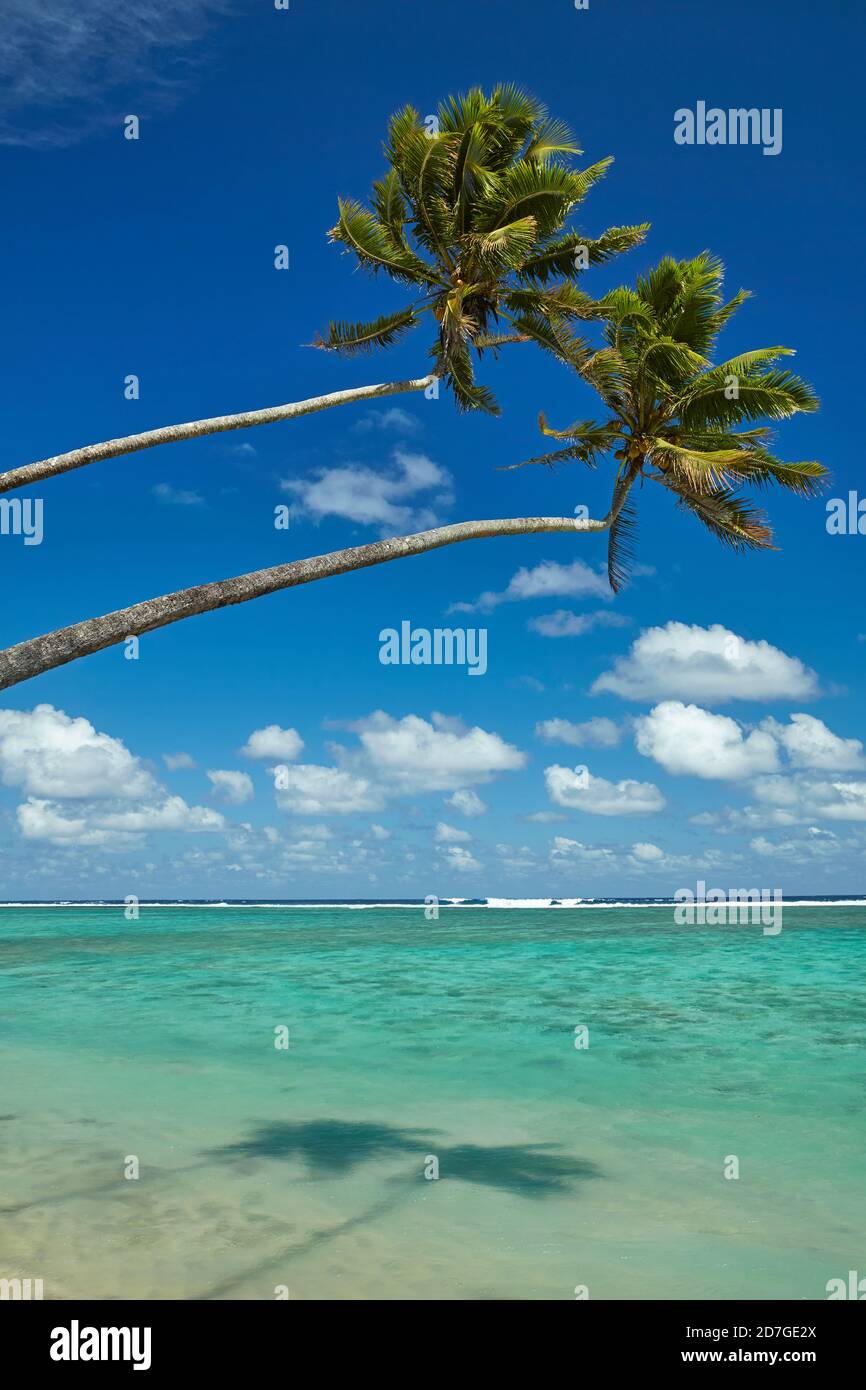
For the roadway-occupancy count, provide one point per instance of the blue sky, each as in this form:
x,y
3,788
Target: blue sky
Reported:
x,y
155,257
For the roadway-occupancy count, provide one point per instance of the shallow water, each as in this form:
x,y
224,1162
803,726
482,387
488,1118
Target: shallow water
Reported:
x,y
412,1040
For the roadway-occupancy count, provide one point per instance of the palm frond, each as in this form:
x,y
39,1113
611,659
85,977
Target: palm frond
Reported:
x,y
455,368
503,248
363,337
732,519
552,334
472,212
564,255
622,533
544,191
361,232
551,137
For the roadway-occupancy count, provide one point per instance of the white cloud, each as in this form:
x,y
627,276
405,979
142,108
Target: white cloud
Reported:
x,y
710,664
54,758
562,848
595,733
273,742
118,828
177,497
467,802
48,754
175,761
373,497
810,744
688,739
394,418
460,859
441,755
647,853
312,790
449,834
546,580
803,798
580,791
399,757
233,787
562,623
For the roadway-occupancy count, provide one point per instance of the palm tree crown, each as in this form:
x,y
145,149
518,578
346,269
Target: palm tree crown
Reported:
x,y
673,415
470,217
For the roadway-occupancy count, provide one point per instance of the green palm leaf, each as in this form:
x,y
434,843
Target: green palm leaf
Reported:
x,y
674,413
473,214
363,337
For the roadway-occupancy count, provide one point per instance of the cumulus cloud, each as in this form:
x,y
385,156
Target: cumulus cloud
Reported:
x,y
273,742
313,790
641,858
449,834
546,580
374,497
439,755
467,802
175,761
456,857
47,753
56,759
233,787
595,733
806,798
647,853
110,826
688,739
711,664
399,757
562,623
564,849
810,744
578,790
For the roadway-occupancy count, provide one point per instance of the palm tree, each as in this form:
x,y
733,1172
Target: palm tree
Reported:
x,y
470,218
674,417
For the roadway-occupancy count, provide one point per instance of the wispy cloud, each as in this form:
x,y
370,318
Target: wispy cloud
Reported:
x,y
546,580
563,623
176,496
67,70
372,497
393,419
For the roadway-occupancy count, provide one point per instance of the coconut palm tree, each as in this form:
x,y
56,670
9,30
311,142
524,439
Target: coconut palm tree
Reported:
x,y
674,418
470,218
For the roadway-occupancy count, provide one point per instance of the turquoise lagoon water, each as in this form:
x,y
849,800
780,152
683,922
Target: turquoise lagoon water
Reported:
x,y
263,1168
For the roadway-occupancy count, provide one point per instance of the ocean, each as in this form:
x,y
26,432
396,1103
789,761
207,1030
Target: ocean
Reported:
x,y
358,1102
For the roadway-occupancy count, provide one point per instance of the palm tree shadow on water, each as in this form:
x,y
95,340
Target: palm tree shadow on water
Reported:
x,y
335,1148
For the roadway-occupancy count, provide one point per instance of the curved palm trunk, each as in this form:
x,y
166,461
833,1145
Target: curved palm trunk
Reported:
x,y
32,658
194,429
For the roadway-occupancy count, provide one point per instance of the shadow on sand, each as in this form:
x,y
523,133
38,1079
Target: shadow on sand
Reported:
x,y
335,1148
